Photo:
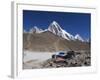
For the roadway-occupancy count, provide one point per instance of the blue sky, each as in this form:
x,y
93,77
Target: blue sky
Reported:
x,y
71,22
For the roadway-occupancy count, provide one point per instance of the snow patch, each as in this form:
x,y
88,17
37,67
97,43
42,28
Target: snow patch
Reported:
x,y
78,37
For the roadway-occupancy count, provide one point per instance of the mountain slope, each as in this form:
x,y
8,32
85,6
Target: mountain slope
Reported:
x,y
47,41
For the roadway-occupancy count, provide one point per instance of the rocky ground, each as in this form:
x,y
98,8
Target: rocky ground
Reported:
x,y
82,58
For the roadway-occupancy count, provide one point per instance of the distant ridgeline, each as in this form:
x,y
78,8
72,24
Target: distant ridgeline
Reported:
x,y
53,39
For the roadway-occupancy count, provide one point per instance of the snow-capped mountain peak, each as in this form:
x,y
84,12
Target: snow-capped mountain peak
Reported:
x,y
55,28
78,37
32,30
70,36
35,29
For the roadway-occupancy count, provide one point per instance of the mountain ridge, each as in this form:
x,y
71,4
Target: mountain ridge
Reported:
x,y
56,29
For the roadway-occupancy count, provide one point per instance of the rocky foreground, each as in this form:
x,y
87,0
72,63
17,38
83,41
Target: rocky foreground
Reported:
x,y
80,59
